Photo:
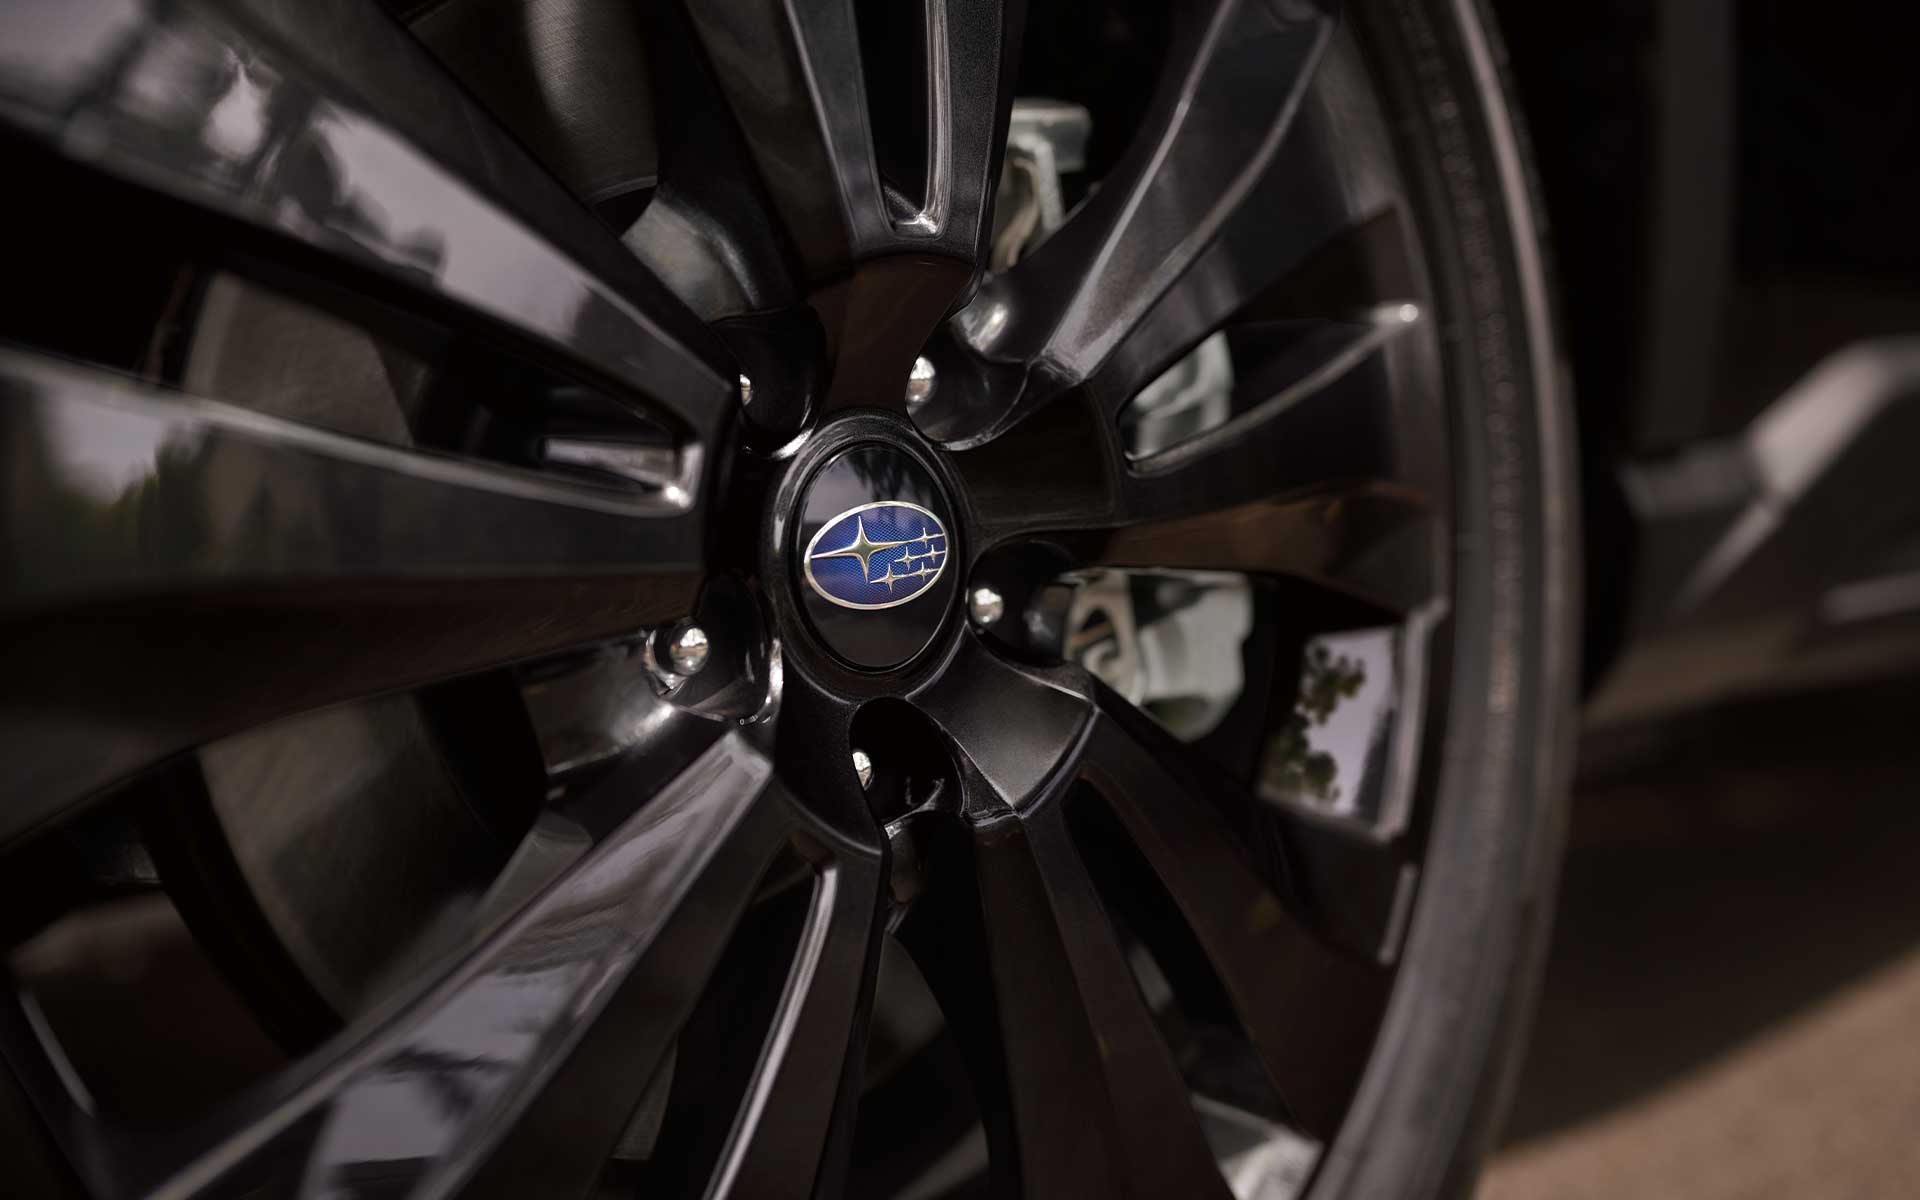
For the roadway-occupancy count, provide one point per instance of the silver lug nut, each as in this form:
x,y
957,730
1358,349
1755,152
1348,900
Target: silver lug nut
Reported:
x,y
675,652
688,649
863,767
920,381
985,606
746,390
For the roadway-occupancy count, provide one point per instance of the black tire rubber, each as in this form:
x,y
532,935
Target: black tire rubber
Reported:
x,y
1432,1098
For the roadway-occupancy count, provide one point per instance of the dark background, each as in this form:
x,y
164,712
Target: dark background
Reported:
x,y
1733,995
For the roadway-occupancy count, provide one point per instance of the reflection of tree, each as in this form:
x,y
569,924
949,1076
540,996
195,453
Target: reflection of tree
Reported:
x,y
883,474
1292,766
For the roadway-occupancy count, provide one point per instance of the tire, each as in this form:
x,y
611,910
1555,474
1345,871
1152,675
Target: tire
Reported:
x,y
1428,1111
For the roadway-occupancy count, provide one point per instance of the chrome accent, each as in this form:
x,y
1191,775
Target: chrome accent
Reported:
x,y
921,381
676,653
985,606
864,549
688,650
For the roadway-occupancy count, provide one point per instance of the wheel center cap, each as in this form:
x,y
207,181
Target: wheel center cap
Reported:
x,y
872,547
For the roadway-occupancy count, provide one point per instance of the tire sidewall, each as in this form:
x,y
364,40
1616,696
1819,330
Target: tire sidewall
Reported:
x,y
1438,1081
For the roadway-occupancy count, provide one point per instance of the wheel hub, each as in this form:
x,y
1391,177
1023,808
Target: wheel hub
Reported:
x,y
873,542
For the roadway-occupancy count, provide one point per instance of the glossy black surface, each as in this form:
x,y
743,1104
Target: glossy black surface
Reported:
x,y
180,567
817,157
257,114
357,568
1220,116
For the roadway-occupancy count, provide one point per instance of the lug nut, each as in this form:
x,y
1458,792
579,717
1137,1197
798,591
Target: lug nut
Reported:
x,y
746,390
677,651
688,650
863,767
920,382
985,606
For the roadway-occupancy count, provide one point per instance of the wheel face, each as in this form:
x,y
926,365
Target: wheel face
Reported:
x,y
860,663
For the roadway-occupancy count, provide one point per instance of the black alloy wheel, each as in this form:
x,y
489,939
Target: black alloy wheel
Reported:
x,y
713,599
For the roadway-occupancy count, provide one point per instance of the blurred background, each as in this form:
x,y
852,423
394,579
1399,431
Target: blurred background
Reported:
x,y
1733,985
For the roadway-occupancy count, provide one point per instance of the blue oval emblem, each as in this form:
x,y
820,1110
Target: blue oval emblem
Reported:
x,y
877,555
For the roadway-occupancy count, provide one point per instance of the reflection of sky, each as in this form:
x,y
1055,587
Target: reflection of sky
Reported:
x,y
1354,725
105,451
332,174
450,1073
478,1044
58,40
483,257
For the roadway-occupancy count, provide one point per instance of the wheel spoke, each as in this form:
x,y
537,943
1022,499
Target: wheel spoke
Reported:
x,y
704,232
1013,724
1098,1106
1309,1010
431,202
796,80
222,567
40,1091
1316,478
118,488
515,1065
890,229
1345,884
1318,265
1216,124
1323,413
795,1130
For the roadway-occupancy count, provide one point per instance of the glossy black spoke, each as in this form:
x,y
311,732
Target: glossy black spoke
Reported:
x,y
1317,476
1225,104
1346,884
813,751
222,567
37,1091
1320,413
792,75
795,76
1011,724
518,1069
883,181
1290,258
1309,1009
117,488
1096,1103
267,139
795,1129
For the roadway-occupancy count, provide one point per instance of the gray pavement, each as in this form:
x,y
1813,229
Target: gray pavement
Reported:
x,y
1732,1005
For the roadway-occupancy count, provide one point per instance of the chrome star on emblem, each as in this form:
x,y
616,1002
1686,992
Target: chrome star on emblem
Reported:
x,y
877,555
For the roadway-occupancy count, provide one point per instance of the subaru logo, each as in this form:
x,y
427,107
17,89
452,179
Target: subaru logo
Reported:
x,y
877,555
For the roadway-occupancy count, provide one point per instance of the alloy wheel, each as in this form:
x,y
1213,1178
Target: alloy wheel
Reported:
x,y
725,818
